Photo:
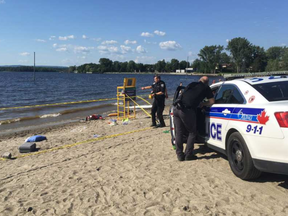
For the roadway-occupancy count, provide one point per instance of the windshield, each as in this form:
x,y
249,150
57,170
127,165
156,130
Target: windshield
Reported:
x,y
275,91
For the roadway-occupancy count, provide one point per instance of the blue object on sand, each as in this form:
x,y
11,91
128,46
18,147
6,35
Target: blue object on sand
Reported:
x,y
36,138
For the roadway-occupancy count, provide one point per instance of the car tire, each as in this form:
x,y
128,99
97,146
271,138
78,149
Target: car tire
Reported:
x,y
240,159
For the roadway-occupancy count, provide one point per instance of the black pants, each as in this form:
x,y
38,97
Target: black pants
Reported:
x,y
185,120
158,107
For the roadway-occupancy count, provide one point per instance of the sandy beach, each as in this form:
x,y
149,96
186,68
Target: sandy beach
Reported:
x,y
127,174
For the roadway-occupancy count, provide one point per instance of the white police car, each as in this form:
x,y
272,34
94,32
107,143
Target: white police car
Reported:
x,y
249,124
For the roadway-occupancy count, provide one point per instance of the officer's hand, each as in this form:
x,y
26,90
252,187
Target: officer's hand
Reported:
x,y
142,88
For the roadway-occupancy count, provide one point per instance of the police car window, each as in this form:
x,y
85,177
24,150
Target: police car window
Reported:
x,y
273,91
214,91
229,94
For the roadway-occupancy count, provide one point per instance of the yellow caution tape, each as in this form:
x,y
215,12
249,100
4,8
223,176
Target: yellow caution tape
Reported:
x,y
78,143
148,114
144,100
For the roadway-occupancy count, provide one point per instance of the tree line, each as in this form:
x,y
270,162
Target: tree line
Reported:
x,y
240,55
243,57
31,69
107,65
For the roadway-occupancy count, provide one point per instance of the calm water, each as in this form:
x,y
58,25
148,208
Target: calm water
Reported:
x,y
19,89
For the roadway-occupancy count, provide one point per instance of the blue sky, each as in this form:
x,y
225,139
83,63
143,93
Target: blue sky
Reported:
x,y
66,32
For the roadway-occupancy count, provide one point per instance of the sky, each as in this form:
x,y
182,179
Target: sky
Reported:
x,y
75,32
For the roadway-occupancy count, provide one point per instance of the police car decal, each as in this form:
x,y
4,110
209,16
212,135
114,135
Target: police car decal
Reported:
x,y
254,129
251,115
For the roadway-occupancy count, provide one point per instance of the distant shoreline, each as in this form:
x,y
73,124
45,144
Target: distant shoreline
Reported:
x,y
162,73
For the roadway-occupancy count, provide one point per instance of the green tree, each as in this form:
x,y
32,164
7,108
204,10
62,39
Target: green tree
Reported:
x,y
168,67
131,67
259,59
224,58
160,66
275,53
71,69
285,59
140,67
116,66
183,65
199,66
124,66
105,65
272,65
211,55
174,65
240,49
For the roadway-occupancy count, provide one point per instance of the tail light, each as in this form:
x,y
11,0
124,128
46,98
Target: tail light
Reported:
x,y
282,118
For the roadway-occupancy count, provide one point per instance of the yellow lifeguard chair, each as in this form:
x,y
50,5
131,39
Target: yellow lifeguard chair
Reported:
x,y
124,95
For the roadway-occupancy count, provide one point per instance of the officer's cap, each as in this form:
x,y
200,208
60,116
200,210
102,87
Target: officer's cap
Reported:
x,y
157,76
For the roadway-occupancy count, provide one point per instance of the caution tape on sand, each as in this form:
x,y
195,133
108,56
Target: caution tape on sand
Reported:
x,y
148,114
78,143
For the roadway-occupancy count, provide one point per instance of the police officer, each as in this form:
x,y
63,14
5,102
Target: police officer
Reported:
x,y
185,117
159,93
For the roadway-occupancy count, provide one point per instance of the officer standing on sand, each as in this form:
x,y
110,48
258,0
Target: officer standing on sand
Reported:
x,y
159,93
185,116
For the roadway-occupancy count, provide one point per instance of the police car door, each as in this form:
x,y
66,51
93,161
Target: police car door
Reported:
x,y
227,99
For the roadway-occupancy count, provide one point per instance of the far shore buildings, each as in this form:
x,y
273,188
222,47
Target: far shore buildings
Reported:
x,y
186,70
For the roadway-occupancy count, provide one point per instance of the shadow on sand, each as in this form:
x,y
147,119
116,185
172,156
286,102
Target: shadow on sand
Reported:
x,y
281,180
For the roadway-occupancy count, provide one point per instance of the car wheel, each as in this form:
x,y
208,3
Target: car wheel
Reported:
x,y
240,159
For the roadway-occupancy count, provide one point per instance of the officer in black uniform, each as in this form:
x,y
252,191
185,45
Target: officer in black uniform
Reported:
x,y
185,117
159,93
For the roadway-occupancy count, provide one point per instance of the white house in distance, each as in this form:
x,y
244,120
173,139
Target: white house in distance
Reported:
x,y
187,70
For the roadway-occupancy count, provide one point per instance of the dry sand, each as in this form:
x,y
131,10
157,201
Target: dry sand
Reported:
x,y
133,174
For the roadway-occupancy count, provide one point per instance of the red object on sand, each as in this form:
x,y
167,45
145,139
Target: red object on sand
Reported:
x,y
93,117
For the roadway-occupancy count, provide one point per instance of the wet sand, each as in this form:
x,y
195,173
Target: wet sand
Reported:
x,y
132,174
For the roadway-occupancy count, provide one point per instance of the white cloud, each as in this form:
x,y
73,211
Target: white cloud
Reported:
x,y
140,49
104,48
227,40
2,1
62,49
82,49
107,49
66,37
41,40
170,45
125,49
84,37
109,42
283,44
52,38
25,54
55,45
146,34
145,59
160,33
130,42
113,49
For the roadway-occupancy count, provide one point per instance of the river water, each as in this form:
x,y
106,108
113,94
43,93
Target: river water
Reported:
x,y
19,89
